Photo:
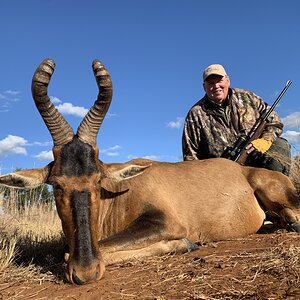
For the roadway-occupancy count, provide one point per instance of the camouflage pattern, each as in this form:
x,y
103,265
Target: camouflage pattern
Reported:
x,y
210,128
277,158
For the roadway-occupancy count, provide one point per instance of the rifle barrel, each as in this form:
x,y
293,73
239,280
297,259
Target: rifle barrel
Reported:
x,y
287,85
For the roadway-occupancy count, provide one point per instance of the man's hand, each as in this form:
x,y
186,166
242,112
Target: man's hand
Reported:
x,y
259,145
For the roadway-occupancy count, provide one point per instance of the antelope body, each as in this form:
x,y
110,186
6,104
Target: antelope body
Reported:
x,y
115,212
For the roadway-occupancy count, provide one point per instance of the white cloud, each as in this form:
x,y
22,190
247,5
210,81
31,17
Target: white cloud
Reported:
x,y
292,120
292,136
8,97
176,124
70,109
111,151
116,147
42,144
12,93
45,155
13,145
55,99
110,115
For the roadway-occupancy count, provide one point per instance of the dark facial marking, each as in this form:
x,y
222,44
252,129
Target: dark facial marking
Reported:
x,y
80,202
77,159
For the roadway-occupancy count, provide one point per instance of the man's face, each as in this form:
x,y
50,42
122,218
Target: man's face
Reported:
x,y
216,88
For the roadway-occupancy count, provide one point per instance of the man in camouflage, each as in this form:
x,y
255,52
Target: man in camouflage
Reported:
x,y
222,115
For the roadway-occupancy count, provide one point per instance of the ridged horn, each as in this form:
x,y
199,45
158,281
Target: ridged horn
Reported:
x,y
58,127
90,125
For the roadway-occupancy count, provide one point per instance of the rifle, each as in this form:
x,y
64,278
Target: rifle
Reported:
x,y
238,152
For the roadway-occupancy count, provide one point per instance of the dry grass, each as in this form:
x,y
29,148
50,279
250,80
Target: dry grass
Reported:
x,y
295,172
31,241
7,252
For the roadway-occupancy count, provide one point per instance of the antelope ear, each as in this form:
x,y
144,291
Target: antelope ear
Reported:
x,y
127,172
115,180
27,179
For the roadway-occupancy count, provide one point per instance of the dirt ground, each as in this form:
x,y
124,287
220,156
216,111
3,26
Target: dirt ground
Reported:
x,y
261,266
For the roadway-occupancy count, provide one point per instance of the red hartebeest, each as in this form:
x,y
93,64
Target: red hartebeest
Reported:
x,y
115,212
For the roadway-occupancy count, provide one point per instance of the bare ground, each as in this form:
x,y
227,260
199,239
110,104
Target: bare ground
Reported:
x,y
261,266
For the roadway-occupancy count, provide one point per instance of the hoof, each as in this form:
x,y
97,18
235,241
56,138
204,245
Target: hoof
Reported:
x,y
66,253
294,227
190,245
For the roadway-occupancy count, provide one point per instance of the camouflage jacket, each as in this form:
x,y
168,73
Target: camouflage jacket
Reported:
x,y
210,128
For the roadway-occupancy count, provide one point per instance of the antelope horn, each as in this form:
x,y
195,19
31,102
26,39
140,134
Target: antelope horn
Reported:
x,y
90,125
58,127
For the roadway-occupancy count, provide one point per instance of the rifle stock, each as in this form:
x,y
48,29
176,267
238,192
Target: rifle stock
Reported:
x,y
243,155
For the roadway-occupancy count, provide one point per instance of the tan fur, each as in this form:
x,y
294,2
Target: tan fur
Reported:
x,y
201,199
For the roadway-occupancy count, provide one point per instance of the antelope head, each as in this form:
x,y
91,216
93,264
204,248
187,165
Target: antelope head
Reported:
x,y
76,171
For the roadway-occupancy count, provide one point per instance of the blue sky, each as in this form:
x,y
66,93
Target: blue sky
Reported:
x,y
155,52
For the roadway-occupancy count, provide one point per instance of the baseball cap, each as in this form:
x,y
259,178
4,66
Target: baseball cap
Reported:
x,y
214,69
